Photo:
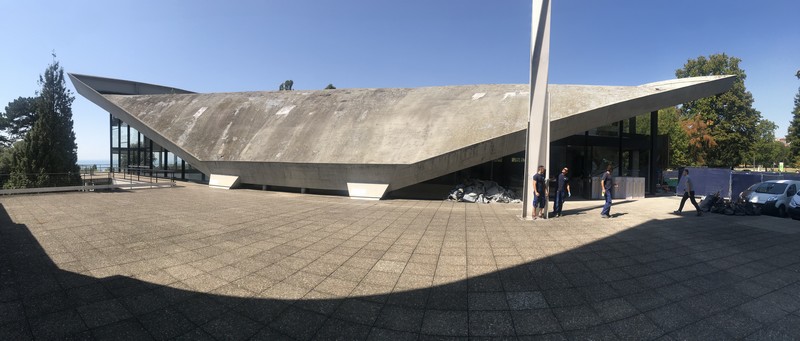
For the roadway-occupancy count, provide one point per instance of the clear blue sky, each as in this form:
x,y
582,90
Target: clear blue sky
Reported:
x,y
218,46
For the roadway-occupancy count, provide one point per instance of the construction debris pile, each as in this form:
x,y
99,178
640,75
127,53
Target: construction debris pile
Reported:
x,y
481,191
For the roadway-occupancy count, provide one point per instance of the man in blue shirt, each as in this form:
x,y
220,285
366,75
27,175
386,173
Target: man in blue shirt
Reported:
x,y
539,193
562,192
607,183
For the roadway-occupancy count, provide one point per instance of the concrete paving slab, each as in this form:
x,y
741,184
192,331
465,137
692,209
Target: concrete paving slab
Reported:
x,y
197,263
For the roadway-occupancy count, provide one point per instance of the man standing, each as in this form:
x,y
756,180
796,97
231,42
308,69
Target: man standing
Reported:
x,y
539,193
607,183
562,192
688,193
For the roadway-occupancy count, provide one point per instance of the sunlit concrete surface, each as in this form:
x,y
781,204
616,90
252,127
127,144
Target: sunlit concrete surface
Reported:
x,y
198,263
397,137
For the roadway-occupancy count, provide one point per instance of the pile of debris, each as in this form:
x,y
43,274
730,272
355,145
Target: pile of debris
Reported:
x,y
484,192
715,204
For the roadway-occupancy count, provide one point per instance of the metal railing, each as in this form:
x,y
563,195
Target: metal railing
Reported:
x,y
91,178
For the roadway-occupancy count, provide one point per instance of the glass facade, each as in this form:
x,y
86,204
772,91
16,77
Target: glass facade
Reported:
x,y
133,152
626,145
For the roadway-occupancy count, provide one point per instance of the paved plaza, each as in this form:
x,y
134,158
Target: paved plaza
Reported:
x,y
196,263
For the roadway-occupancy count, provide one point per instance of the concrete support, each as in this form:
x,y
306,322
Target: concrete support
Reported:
x,y
651,169
537,147
619,149
366,191
223,181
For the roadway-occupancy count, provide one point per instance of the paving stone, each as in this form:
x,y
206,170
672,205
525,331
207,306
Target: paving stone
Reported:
x,y
379,334
400,318
16,330
535,322
57,325
297,323
699,331
231,327
129,329
166,323
358,310
446,323
637,327
762,311
335,329
614,309
103,312
490,323
577,317
735,323
671,317
439,300
647,300
487,301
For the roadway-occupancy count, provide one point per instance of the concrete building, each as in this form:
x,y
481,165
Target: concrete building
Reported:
x,y
374,143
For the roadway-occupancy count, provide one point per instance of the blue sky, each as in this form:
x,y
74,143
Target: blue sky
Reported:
x,y
206,46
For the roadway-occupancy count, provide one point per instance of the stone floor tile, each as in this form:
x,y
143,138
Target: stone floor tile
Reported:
x,y
735,323
614,309
577,317
445,323
400,318
129,329
490,323
231,326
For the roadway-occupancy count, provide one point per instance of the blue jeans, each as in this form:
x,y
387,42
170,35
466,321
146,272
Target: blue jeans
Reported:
x,y
560,195
607,207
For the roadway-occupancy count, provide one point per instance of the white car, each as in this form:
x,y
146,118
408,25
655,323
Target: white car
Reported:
x,y
772,196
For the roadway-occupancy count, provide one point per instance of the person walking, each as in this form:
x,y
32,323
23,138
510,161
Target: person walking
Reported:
x,y
539,193
562,192
688,193
607,183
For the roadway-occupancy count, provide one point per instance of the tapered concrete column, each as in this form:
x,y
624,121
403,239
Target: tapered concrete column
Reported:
x,y
537,149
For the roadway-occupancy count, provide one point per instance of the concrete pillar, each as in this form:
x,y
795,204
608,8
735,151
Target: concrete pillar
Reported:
x,y
537,147
651,169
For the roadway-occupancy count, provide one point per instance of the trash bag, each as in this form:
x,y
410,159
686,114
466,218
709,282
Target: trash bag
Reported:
x,y
708,202
481,191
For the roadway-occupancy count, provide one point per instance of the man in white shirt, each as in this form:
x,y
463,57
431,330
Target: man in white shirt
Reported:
x,y
688,193
794,207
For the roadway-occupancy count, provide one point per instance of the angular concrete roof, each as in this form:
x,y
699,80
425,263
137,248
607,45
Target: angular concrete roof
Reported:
x,y
326,138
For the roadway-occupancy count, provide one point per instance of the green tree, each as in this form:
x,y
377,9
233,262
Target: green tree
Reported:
x,y
670,123
764,151
330,87
793,138
730,117
49,154
17,120
286,85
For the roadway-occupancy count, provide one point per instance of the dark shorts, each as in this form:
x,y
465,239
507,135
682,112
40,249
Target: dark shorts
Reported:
x,y
538,201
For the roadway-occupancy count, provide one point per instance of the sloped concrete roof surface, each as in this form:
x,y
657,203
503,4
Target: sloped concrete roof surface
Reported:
x,y
396,136
356,126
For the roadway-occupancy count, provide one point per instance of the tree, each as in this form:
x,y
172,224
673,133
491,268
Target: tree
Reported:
x,y
330,87
671,124
287,85
49,155
764,151
699,140
793,138
17,120
730,117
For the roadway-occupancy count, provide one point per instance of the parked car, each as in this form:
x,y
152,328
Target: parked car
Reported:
x,y
772,196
